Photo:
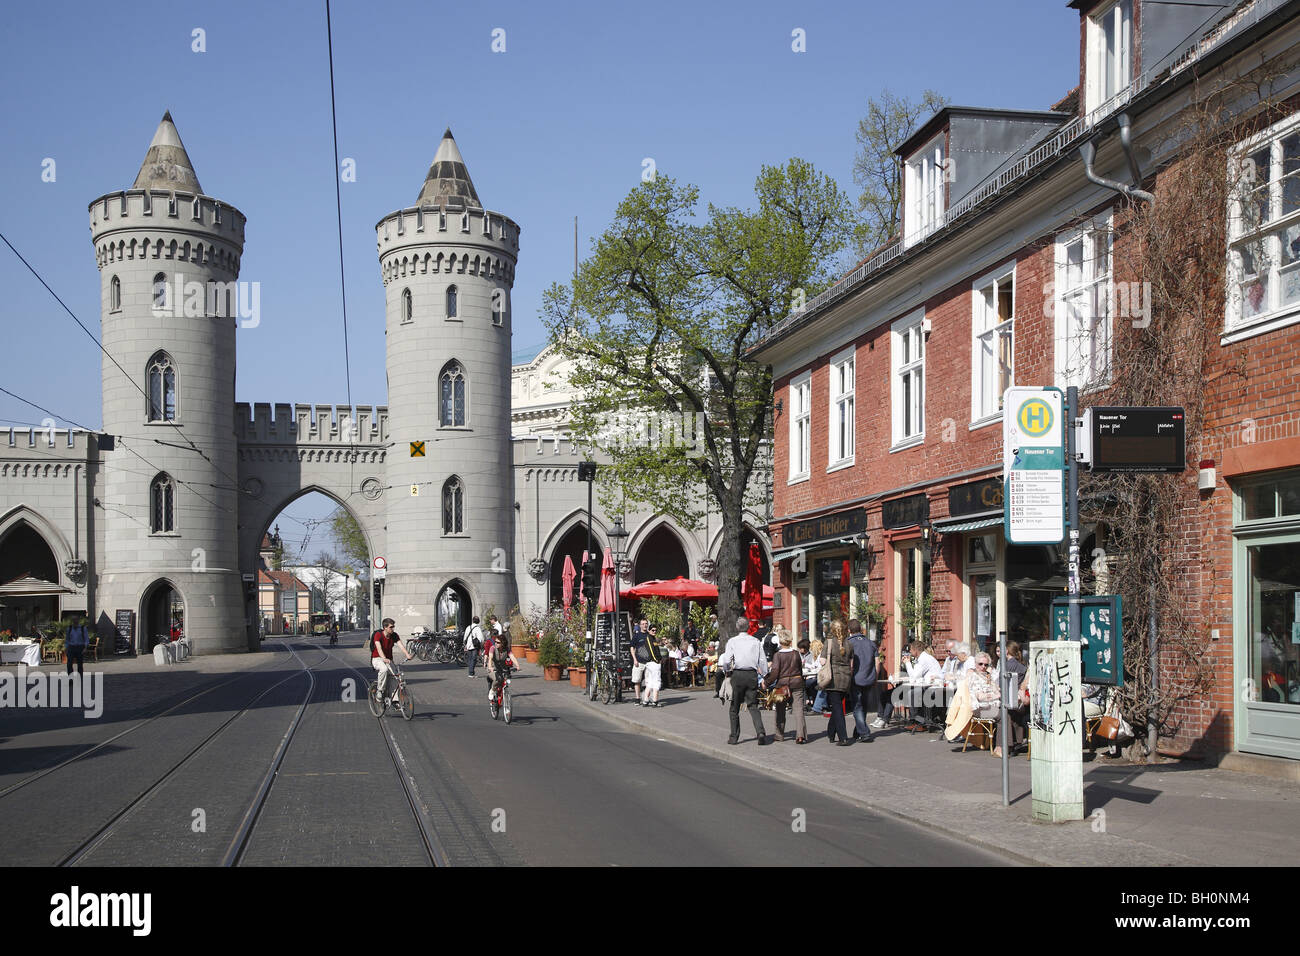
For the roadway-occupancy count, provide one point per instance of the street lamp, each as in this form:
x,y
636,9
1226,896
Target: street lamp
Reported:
x,y
617,542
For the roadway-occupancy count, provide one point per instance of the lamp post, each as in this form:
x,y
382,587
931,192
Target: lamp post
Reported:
x,y
587,473
617,542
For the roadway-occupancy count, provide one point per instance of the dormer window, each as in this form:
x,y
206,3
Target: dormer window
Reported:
x,y
1110,52
924,186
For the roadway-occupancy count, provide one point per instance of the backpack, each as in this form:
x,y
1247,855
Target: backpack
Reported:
x,y
647,653
476,636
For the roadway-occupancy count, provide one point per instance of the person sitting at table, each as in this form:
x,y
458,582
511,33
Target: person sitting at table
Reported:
x,y
815,648
985,697
1018,702
685,666
810,667
884,694
950,659
963,663
711,667
921,668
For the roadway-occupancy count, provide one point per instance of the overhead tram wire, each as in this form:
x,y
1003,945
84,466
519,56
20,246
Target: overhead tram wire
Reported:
x,y
130,378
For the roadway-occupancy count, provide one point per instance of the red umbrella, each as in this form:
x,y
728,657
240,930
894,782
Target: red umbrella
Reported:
x,y
607,583
679,588
753,589
582,585
769,598
567,575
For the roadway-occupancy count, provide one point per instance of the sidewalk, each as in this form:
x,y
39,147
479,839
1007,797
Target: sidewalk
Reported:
x,y
1172,814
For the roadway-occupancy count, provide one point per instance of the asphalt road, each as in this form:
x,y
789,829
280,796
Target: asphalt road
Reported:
x,y
561,785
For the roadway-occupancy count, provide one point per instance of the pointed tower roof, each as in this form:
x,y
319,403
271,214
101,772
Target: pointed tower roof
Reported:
x,y
166,165
448,178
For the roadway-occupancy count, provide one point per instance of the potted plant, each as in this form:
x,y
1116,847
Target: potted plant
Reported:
x,y
872,616
553,655
914,615
578,665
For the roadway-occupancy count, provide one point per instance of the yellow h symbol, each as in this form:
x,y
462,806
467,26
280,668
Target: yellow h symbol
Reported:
x,y
1035,417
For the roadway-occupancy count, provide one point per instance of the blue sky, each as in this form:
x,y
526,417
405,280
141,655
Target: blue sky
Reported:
x,y
557,126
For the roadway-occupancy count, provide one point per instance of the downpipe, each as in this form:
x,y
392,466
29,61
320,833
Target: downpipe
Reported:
x,y
1088,153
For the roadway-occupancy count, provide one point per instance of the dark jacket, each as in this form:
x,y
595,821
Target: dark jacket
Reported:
x,y
787,670
76,636
840,665
864,660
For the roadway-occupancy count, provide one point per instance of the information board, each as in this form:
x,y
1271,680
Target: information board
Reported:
x,y
1135,439
1033,465
605,645
124,639
1101,628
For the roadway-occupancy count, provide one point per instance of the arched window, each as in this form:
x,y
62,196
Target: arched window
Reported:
x,y
115,295
453,507
407,310
498,305
451,302
162,388
160,293
451,395
162,501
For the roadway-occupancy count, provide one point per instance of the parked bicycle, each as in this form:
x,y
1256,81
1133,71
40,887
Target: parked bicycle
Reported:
x,y
399,696
603,681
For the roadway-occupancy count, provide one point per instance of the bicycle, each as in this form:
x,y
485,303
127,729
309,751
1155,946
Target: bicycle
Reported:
x,y
499,705
401,697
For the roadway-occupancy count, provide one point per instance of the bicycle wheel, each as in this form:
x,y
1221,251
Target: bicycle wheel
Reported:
x,y
607,684
505,704
492,706
426,651
593,682
372,696
405,702
442,653
460,656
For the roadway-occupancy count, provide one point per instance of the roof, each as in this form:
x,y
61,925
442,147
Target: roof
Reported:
x,y
448,179
166,164
940,119
287,580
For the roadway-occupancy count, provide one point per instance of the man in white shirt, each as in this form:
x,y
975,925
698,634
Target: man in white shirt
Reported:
x,y
922,669
473,643
745,662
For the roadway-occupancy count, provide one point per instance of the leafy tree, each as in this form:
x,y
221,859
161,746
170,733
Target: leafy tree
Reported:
x,y
331,582
876,170
658,322
351,541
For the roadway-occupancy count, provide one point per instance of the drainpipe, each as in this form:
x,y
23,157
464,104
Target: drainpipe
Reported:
x,y
1088,153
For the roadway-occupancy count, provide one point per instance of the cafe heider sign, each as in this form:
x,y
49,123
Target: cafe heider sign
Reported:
x,y
1033,465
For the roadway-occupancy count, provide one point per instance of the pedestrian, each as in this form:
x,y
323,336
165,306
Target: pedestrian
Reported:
x,y
744,661
640,640
839,659
864,677
653,678
75,644
787,683
816,649
474,640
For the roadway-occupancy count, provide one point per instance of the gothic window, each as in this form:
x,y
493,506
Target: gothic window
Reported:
x,y
452,398
162,501
160,292
451,302
407,310
498,305
115,295
162,388
453,507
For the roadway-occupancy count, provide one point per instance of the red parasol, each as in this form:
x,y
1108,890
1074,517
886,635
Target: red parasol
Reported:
x,y
567,575
581,584
752,591
679,588
608,582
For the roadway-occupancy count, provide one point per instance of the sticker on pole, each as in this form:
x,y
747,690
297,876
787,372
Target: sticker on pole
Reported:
x,y
1033,465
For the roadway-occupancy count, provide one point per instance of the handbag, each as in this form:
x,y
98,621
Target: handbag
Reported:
x,y
824,675
779,695
1108,727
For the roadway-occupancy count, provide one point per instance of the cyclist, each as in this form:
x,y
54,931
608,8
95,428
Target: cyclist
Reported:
x,y
500,660
381,653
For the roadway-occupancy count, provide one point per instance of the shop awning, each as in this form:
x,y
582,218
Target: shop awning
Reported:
x,y
969,525
27,586
779,556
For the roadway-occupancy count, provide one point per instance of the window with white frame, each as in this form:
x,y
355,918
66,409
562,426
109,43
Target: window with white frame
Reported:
x,y
925,191
993,327
162,505
1110,57
1082,305
800,426
1264,228
841,409
908,359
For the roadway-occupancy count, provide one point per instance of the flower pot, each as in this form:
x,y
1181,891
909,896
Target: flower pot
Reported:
x,y
531,655
553,673
578,676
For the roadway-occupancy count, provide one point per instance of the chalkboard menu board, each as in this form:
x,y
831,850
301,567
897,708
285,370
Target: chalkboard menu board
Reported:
x,y
605,629
125,638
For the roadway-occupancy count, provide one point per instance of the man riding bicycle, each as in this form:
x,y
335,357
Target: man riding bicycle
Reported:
x,y
381,654
500,661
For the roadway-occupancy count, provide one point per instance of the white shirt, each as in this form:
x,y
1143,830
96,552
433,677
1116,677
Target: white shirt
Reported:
x,y
925,668
475,630
811,665
744,652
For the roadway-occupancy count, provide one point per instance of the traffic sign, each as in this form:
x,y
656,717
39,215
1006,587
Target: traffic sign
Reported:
x,y
381,567
1033,465
417,449
1134,439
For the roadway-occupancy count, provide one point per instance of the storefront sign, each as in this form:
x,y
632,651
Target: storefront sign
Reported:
x,y
841,524
912,511
1033,465
975,497
124,640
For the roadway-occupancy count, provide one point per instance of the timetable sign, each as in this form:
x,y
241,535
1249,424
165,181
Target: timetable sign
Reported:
x,y
1033,465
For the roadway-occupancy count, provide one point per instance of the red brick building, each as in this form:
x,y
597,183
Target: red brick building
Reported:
x,y
888,386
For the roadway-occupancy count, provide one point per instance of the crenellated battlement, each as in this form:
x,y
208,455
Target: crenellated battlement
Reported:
x,y
311,424
448,224
177,225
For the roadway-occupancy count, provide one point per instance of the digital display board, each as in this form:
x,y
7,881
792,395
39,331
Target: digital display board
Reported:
x,y
1132,439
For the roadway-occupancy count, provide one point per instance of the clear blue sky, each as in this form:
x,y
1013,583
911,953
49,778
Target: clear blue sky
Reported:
x,y
556,126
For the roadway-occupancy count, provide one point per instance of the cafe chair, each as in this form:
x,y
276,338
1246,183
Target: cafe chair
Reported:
x,y
93,647
981,731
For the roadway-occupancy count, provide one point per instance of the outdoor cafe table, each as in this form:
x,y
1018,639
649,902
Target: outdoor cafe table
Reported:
x,y
18,653
914,698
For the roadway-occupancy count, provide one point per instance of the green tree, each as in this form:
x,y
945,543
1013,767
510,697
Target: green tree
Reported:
x,y
657,323
350,539
888,122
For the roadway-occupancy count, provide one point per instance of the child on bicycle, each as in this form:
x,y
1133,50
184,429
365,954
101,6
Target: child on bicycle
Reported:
x,y
500,660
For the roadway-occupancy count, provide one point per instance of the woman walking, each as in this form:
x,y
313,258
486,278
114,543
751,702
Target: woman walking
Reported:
x,y
839,660
787,673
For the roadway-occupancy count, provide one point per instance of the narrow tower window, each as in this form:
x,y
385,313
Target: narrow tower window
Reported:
x,y
160,293
451,302
162,388
451,407
162,511
407,310
453,507
115,295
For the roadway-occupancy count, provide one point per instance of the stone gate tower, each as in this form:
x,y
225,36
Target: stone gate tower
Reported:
x,y
448,265
168,258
